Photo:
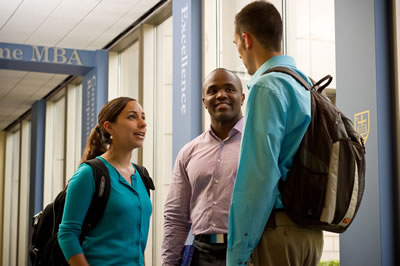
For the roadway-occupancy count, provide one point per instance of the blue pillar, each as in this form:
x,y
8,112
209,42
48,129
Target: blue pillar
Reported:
x,y
94,94
37,158
386,129
187,72
365,85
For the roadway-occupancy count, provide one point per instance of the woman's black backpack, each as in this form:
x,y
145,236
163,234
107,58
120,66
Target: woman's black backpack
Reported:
x,y
44,248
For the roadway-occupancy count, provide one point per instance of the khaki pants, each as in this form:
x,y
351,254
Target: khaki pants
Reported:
x,y
288,245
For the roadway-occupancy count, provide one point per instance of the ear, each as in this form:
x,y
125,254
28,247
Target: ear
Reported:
x,y
205,106
248,42
243,97
108,127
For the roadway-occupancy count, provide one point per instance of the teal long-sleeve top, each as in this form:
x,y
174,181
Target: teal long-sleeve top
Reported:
x,y
277,115
120,237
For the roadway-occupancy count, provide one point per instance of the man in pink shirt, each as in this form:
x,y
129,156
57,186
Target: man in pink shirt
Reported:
x,y
203,177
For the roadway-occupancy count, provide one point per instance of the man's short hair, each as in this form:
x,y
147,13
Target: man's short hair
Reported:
x,y
235,77
263,21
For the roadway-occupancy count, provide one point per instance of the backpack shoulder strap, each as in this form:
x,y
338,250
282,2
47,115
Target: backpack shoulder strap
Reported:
x,y
147,181
291,73
317,86
100,197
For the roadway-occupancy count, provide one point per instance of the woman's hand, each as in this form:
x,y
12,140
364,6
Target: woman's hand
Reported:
x,y
78,260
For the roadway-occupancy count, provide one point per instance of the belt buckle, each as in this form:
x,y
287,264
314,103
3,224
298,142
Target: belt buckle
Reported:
x,y
217,238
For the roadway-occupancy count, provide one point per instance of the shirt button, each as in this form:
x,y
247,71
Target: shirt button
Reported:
x,y
214,203
213,224
245,234
219,160
216,181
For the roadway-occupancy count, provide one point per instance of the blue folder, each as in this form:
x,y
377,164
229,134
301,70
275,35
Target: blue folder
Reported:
x,y
187,255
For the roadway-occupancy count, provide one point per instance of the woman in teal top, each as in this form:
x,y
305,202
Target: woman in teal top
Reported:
x,y
120,237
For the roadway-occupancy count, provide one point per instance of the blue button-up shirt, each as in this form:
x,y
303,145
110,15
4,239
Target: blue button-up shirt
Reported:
x,y
120,237
278,113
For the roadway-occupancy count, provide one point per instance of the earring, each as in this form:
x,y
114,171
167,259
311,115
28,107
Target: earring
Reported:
x,y
110,137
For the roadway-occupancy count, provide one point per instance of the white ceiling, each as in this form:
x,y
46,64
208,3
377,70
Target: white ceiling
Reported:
x,y
77,24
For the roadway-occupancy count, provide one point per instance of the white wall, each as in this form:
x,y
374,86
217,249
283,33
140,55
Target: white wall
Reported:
x,y
11,198
24,220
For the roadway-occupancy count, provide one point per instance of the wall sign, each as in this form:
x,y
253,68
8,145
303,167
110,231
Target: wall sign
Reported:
x,y
361,124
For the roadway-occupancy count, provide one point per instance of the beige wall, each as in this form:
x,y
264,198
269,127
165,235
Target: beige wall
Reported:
x,y
2,160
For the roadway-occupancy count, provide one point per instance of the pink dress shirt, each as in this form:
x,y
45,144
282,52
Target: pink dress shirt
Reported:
x,y
200,191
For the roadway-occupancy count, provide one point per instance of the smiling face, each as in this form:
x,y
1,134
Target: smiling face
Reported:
x,y
129,129
223,96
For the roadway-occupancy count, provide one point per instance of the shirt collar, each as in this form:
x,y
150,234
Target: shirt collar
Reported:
x,y
279,60
237,128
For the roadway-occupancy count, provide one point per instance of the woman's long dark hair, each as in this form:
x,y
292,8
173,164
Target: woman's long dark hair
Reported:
x,y
99,139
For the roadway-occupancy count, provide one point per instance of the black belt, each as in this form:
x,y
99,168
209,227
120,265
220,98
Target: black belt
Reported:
x,y
212,238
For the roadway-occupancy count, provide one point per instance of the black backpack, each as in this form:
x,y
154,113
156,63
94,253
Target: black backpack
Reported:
x,y
44,248
325,184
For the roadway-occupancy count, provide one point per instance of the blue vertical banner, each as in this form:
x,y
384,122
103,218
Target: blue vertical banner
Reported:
x,y
89,106
38,121
187,72
94,94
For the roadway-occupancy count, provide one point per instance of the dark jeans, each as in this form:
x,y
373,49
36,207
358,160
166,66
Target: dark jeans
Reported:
x,y
206,254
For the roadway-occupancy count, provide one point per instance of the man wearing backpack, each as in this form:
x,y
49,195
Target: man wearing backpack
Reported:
x,y
277,115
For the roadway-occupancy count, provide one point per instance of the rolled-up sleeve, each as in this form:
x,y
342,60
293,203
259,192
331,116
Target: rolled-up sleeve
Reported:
x,y
177,221
80,191
256,186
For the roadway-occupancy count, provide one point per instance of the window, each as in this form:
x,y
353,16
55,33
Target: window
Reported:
x,y
24,220
124,77
73,150
311,38
54,149
129,71
157,99
162,124
11,198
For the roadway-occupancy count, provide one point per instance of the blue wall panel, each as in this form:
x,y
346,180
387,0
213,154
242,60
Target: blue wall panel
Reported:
x,y
187,72
38,121
363,73
94,94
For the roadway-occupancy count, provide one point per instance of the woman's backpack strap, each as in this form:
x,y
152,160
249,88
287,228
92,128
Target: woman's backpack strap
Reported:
x,y
147,181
